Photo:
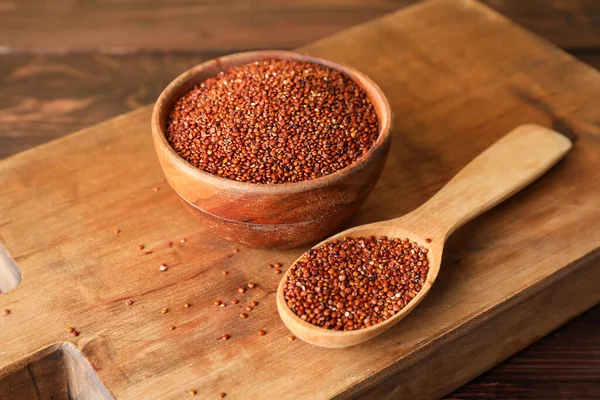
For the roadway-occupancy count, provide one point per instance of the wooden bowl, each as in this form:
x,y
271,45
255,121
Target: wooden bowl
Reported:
x,y
270,215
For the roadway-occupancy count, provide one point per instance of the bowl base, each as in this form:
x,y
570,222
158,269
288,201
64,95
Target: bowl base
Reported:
x,y
275,236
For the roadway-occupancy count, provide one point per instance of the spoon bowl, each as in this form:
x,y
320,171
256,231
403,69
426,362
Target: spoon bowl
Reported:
x,y
331,338
506,167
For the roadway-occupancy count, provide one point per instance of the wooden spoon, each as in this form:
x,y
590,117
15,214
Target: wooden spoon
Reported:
x,y
503,169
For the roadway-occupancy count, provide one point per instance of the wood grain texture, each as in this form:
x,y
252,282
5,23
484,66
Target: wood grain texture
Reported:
x,y
570,24
45,97
187,25
183,26
563,365
61,229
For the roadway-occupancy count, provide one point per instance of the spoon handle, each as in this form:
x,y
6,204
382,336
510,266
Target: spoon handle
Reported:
x,y
503,169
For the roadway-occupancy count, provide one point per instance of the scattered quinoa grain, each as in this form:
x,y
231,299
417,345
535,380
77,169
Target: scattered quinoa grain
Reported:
x,y
187,305
236,250
6,311
428,240
248,308
140,247
70,329
117,231
254,303
74,333
225,272
169,244
277,265
243,315
217,302
156,189
192,392
291,338
172,327
225,337
183,240
251,285
165,310
129,302
234,301
277,271
162,267
222,394
241,289
262,332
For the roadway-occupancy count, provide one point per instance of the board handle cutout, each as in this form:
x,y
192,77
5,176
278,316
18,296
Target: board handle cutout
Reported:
x,y
10,274
61,370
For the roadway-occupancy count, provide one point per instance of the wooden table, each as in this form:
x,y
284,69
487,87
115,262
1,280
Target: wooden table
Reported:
x,y
67,66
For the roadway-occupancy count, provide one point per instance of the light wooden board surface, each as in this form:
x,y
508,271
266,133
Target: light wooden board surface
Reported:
x,y
456,86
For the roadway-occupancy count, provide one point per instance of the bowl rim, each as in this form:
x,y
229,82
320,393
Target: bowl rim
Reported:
x,y
374,92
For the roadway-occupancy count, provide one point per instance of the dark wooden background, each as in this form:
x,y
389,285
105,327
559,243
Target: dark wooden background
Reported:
x,y
65,65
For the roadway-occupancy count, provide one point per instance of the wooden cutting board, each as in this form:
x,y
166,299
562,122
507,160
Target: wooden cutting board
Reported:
x,y
458,76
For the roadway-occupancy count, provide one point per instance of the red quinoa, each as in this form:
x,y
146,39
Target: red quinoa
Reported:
x,y
355,283
273,121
